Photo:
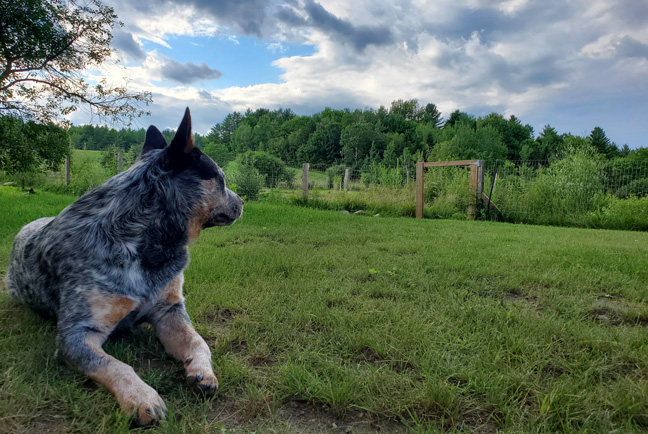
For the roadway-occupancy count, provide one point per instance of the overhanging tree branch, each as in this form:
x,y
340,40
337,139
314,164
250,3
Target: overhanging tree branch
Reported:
x,y
45,45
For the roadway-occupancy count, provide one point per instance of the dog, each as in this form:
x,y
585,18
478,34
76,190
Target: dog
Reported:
x,y
115,258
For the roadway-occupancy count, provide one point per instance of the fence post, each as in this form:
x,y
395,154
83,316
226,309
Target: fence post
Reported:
x,y
476,187
120,161
419,190
480,180
67,169
346,179
305,180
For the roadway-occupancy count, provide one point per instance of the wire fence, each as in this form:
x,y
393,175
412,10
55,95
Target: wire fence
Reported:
x,y
576,190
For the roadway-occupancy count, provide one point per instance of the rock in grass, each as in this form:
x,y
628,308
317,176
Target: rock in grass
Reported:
x,y
345,212
359,212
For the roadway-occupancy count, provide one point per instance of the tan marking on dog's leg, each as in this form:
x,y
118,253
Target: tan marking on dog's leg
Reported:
x,y
183,342
133,395
109,309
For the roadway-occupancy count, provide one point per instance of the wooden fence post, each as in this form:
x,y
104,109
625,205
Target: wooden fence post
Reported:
x,y
67,169
305,180
476,188
346,179
419,189
120,161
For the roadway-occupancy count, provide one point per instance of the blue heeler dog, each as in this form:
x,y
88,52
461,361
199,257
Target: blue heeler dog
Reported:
x,y
115,258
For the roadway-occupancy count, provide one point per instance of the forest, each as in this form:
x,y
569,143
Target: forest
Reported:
x,y
403,133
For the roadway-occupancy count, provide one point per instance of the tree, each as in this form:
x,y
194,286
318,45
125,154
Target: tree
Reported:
x,y
27,147
603,144
45,45
468,144
222,133
431,114
356,141
458,117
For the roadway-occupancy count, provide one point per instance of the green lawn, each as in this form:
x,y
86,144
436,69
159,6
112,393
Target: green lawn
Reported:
x,y
324,322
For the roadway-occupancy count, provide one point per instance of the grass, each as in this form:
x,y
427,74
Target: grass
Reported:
x,y
315,318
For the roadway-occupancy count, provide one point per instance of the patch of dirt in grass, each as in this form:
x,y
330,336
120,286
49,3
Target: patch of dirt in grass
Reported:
x,y
220,315
608,314
299,417
517,296
39,424
552,370
480,420
382,295
372,357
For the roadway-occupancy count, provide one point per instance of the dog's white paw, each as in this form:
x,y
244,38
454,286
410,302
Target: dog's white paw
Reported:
x,y
201,375
145,405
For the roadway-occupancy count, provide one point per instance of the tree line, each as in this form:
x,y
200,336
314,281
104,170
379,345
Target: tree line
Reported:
x,y
402,134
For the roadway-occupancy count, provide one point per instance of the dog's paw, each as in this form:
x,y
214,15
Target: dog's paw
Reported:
x,y
201,377
146,406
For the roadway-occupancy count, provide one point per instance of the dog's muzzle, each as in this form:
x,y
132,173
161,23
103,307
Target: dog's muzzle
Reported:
x,y
229,213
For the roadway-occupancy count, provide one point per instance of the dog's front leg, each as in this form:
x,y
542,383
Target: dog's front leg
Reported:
x,y
174,329
81,335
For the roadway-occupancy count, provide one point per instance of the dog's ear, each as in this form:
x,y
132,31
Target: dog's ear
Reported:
x,y
154,140
182,144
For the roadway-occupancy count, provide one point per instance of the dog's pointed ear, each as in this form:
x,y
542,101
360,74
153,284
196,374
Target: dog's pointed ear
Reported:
x,y
154,140
182,144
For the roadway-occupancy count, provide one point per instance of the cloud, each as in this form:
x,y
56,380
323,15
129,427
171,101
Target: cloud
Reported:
x,y
359,36
187,73
521,57
126,44
630,47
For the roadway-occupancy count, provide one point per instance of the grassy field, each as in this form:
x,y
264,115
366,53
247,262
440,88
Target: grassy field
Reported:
x,y
324,322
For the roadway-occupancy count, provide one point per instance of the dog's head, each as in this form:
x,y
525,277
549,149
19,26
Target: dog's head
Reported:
x,y
216,205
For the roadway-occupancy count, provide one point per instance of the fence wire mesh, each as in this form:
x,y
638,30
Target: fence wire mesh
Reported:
x,y
564,191
576,190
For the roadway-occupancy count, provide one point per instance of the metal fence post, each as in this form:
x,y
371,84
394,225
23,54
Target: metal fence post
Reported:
x,y
305,179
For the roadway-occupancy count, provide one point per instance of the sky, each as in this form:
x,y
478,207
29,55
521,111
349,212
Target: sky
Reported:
x,y
572,64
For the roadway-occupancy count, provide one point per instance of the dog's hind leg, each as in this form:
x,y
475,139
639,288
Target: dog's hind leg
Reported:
x,y
174,329
81,336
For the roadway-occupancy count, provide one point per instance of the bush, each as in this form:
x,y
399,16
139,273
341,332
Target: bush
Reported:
x,y
563,193
218,152
272,168
332,173
246,181
628,214
448,191
638,187
379,174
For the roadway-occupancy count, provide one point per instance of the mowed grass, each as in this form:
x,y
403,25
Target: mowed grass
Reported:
x,y
317,318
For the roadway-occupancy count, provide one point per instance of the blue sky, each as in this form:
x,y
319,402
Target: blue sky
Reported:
x,y
573,64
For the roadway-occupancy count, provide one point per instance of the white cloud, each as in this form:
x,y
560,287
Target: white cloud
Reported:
x,y
515,56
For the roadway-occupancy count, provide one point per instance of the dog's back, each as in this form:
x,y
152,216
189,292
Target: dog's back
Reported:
x,y
20,276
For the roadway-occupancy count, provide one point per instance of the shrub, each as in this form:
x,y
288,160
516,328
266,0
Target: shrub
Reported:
x,y
563,193
272,168
638,187
379,174
629,214
246,181
332,173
